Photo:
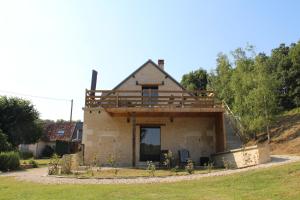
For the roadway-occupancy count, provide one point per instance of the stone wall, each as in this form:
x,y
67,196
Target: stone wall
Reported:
x,y
105,135
243,157
73,160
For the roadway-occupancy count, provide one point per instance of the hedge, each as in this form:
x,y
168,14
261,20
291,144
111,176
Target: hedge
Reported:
x,y
9,161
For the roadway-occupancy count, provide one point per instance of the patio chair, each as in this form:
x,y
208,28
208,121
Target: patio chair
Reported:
x,y
184,156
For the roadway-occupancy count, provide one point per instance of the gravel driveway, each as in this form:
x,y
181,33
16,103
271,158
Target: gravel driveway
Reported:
x,y
39,175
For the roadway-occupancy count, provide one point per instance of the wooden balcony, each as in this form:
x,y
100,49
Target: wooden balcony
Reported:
x,y
122,101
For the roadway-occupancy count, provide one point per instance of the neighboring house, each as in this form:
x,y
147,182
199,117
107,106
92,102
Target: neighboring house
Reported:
x,y
63,137
147,113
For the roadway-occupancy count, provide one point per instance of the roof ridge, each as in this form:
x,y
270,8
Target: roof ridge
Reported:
x,y
154,64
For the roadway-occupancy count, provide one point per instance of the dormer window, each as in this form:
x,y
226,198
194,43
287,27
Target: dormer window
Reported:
x,y
60,132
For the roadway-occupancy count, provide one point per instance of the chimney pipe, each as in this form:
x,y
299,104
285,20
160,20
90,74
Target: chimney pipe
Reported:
x,y
161,63
94,80
93,83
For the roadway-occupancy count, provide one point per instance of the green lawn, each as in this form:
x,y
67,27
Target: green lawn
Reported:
x,y
41,162
132,173
280,183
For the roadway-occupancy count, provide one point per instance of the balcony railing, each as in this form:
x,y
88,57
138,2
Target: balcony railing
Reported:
x,y
159,98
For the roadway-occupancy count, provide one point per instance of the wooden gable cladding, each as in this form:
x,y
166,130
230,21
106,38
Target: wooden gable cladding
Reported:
x,y
149,73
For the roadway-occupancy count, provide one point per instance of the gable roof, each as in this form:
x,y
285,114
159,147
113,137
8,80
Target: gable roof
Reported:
x,y
155,65
52,130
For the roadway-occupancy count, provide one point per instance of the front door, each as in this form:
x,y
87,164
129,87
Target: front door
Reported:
x,y
149,143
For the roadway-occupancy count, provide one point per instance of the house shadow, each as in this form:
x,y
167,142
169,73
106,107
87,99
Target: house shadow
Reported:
x,y
278,159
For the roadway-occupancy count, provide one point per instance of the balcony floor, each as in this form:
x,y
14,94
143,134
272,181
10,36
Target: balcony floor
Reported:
x,y
162,111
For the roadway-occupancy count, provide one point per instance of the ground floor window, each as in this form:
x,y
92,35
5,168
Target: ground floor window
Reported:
x,y
149,143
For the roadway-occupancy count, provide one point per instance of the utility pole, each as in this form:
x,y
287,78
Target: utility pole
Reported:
x,y
71,110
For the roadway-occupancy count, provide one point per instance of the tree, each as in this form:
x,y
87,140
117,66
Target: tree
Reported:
x,y
195,80
241,84
249,88
280,64
285,64
220,80
263,97
294,74
19,120
4,144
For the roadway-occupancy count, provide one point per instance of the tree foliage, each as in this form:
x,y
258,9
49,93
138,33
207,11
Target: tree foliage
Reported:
x,y
4,144
220,80
285,65
255,86
195,80
19,120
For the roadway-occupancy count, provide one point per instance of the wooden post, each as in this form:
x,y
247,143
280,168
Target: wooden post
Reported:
x,y
220,133
117,99
133,122
71,110
182,100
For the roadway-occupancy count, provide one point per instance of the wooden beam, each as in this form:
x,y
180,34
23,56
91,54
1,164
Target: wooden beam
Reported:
x,y
133,122
220,133
162,110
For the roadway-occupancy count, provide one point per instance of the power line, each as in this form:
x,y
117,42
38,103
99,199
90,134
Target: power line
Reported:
x,y
34,96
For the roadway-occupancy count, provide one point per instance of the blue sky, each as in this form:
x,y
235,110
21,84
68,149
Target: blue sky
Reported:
x,y
48,48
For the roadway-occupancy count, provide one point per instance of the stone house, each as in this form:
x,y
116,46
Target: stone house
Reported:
x,y
63,137
148,112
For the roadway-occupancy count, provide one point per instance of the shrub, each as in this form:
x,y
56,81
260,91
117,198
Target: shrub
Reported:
x,y
48,151
209,166
112,160
227,164
151,168
4,144
113,163
9,161
168,157
53,167
33,163
95,161
189,167
25,155
175,169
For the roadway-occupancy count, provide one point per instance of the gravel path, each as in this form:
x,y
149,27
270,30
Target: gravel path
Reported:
x,y
40,175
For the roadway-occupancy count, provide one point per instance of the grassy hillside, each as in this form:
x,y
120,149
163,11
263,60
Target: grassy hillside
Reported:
x,y
285,133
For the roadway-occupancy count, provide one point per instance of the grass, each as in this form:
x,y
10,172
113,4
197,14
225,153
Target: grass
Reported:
x,y
276,183
41,162
129,173
293,111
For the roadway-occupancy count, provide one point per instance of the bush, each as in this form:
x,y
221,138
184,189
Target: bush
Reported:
x,y
33,163
9,161
25,155
53,167
190,167
48,151
151,168
175,169
4,144
168,157
113,163
227,164
209,166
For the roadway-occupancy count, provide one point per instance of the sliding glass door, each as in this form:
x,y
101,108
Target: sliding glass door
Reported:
x,y
149,143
